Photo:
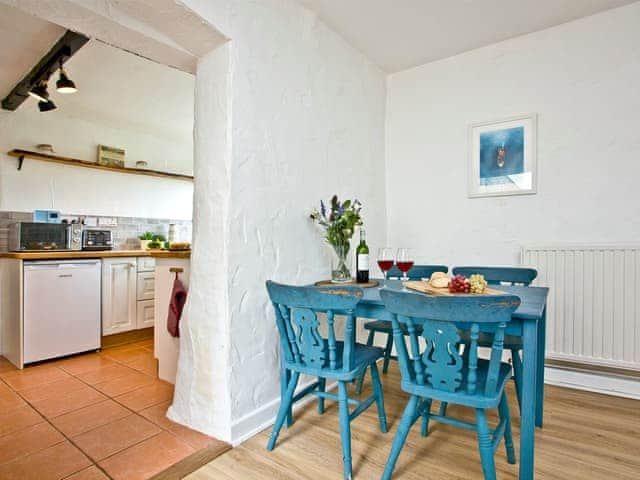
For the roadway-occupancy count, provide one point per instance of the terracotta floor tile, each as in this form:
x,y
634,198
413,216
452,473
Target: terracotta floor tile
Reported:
x,y
65,402
91,473
158,415
90,417
53,463
126,355
9,399
47,390
18,419
6,365
28,440
33,376
147,458
84,363
103,374
144,397
113,437
148,365
126,383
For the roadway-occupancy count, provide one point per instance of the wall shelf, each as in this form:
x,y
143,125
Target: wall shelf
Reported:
x,y
22,154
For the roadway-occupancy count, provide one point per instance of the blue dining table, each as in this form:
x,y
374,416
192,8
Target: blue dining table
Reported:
x,y
528,322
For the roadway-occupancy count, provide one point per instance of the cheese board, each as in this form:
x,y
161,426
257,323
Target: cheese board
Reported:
x,y
426,287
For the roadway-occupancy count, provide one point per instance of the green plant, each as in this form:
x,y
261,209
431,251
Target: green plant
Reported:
x,y
155,244
339,221
155,237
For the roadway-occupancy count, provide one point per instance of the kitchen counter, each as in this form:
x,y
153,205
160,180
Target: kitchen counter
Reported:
x,y
58,255
170,254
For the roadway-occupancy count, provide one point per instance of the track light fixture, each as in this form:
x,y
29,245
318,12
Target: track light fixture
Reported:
x,y
46,106
64,83
39,92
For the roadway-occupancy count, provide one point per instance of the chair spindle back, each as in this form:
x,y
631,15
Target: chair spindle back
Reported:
x,y
296,310
437,363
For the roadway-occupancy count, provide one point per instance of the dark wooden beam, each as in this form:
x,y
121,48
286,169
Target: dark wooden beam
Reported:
x,y
63,50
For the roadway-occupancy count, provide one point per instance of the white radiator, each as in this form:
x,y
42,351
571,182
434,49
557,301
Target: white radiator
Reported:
x,y
593,310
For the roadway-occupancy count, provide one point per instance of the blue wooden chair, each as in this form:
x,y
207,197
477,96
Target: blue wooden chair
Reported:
x,y
305,351
383,327
496,276
437,371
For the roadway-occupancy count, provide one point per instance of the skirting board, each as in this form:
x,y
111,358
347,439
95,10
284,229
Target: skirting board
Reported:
x,y
265,416
598,382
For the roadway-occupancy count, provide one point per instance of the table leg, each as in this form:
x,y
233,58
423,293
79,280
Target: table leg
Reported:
x,y
528,407
542,337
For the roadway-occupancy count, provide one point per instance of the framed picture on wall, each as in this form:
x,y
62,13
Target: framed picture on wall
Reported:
x,y
502,158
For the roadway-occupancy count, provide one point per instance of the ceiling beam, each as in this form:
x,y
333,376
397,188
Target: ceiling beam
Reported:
x,y
62,51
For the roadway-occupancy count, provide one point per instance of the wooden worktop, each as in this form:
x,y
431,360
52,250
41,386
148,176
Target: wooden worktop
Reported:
x,y
170,253
75,254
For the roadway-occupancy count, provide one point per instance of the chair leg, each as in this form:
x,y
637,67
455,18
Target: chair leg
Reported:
x,y
285,376
516,361
370,339
485,444
408,419
387,353
345,428
505,416
424,430
283,412
443,409
322,382
377,390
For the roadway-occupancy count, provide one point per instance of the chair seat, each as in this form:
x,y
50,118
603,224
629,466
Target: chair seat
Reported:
x,y
362,356
385,327
461,397
511,342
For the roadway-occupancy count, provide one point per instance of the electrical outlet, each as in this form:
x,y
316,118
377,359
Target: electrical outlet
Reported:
x,y
108,221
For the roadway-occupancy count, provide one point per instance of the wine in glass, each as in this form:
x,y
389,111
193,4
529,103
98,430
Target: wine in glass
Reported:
x,y
404,261
385,260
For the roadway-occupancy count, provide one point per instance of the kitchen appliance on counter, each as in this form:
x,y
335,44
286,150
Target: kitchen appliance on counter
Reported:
x,y
96,239
36,236
62,314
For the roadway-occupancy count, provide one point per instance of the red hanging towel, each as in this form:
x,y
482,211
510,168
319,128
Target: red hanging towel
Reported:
x,y
178,299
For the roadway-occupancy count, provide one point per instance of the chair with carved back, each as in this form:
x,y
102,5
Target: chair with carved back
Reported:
x,y
383,327
299,313
496,276
432,367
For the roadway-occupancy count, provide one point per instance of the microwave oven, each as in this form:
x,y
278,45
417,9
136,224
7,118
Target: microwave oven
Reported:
x,y
34,237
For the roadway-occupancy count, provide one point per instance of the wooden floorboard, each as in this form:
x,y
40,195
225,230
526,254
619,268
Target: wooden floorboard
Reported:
x,y
587,436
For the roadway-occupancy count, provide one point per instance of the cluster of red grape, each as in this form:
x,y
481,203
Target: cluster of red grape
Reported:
x,y
459,284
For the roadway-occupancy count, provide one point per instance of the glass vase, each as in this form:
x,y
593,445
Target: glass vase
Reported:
x,y
340,271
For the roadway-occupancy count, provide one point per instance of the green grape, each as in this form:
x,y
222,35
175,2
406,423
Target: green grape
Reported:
x,y
478,283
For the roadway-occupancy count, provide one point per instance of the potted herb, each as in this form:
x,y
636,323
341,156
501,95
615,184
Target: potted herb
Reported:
x,y
150,240
339,221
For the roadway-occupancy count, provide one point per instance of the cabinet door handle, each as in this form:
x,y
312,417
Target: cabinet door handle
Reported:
x,y
66,275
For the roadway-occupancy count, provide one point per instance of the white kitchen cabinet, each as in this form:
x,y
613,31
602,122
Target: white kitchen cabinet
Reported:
x,y
146,314
119,295
146,264
145,286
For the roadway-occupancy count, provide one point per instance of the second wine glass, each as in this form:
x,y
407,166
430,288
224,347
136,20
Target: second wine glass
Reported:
x,y
404,261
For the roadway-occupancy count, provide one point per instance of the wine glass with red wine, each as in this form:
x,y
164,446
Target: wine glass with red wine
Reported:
x,y
385,260
404,262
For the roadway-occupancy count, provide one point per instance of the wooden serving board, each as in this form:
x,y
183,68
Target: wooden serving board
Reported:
x,y
369,284
425,287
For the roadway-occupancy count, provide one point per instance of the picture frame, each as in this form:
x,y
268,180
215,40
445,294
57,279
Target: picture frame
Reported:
x,y
503,157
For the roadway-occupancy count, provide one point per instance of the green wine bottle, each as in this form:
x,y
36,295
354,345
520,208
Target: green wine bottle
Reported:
x,y
362,259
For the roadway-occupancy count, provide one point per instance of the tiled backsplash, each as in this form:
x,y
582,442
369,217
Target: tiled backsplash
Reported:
x,y
125,234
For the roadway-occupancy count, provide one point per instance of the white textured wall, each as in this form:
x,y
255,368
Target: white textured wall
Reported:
x,y
85,191
308,121
582,78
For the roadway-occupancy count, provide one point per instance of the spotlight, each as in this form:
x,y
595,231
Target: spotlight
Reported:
x,y
39,92
46,106
64,83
